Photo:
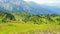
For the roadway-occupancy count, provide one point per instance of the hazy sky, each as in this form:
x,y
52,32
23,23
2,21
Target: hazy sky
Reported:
x,y
45,1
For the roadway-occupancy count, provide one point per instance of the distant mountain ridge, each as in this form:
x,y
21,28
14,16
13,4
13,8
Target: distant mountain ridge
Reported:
x,y
31,7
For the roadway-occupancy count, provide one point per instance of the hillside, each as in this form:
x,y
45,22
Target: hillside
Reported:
x,y
26,23
4,17
24,17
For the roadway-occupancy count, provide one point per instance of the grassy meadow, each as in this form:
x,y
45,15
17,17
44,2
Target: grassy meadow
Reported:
x,y
26,23
19,28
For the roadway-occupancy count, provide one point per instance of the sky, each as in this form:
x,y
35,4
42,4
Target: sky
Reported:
x,y
47,2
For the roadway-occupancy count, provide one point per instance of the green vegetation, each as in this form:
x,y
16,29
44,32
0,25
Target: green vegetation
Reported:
x,y
29,18
26,23
18,28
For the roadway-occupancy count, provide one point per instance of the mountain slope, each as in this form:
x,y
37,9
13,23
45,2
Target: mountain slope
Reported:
x,y
31,7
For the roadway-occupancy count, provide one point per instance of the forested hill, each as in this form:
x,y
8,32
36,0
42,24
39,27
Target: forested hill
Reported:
x,y
4,16
24,17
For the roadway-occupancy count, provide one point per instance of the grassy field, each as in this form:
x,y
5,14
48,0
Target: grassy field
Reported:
x,y
27,23
19,28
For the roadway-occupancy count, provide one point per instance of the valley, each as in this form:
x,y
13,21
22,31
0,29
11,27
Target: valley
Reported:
x,y
29,17
27,23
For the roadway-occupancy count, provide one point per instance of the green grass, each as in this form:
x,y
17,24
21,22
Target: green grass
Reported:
x,y
9,28
27,23
19,28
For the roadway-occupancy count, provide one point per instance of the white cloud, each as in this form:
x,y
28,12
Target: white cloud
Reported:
x,y
45,1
